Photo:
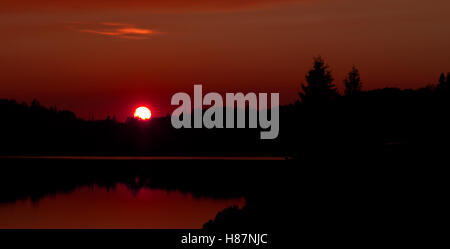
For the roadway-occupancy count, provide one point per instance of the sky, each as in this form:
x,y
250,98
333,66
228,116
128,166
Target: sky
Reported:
x,y
106,57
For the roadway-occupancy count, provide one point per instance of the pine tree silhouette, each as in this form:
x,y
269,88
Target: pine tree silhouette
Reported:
x,y
447,82
319,87
442,82
353,82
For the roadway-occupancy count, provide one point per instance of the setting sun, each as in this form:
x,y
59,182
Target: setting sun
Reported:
x,y
143,113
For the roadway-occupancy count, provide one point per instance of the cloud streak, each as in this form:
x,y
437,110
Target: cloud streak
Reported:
x,y
120,30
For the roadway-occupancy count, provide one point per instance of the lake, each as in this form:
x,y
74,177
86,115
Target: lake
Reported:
x,y
117,207
130,192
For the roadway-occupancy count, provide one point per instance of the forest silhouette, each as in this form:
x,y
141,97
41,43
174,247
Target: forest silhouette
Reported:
x,y
321,118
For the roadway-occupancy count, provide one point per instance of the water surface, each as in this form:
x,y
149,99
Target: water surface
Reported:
x,y
119,207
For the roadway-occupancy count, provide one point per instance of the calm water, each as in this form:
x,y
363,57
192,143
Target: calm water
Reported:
x,y
154,158
99,207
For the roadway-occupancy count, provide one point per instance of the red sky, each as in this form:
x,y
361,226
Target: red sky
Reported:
x,y
102,57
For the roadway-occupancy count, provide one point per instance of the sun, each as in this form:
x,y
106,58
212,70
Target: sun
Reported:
x,y
142,113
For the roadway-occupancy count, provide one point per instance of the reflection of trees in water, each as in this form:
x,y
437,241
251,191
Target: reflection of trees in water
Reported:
x,y
36,178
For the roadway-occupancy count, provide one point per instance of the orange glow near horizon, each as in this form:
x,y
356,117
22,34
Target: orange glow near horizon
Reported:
x,y
142,113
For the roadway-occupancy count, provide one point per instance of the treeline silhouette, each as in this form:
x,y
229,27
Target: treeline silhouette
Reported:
x,y
321,118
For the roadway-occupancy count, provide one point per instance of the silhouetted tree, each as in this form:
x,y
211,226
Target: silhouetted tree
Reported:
x,y
35,103
319,87
448,80
442,82
353,82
